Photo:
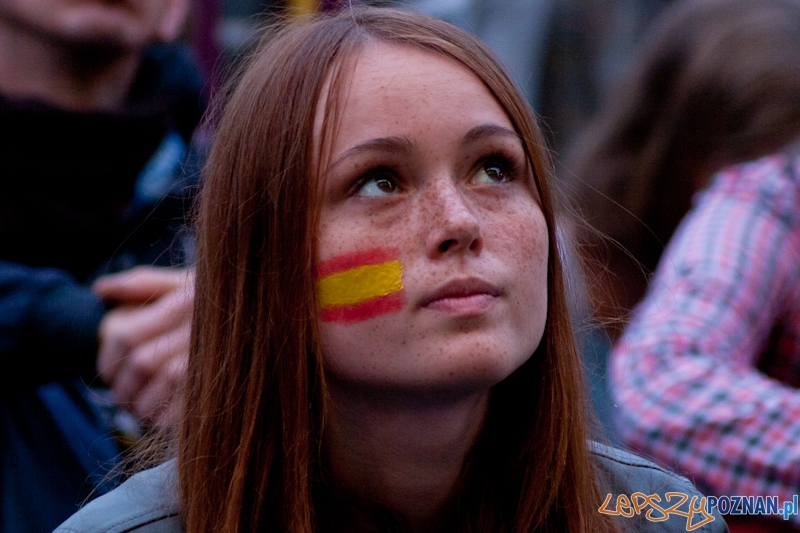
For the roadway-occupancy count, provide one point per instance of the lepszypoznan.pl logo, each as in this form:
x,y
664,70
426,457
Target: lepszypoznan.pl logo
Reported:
x,y
697,511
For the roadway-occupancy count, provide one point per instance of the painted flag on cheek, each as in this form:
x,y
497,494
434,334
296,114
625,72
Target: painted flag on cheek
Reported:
x,y
361,285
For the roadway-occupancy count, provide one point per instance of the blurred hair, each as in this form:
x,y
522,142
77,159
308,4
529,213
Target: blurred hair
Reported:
x,y
717,83
249,448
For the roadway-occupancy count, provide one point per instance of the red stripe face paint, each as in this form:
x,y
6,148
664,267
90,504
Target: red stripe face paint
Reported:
x,y
361,285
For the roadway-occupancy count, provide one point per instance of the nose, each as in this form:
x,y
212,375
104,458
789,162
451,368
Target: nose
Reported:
x,y
453,227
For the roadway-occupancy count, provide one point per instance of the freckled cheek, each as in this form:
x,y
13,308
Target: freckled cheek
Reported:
x,y
521,242
342,234
370,349
535,257
399,228
536,245
522,233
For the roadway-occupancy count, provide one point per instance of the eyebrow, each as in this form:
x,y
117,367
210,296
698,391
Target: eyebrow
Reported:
x,y
479,133
401,145
404,145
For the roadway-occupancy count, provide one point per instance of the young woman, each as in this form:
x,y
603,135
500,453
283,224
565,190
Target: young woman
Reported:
x,y
381,339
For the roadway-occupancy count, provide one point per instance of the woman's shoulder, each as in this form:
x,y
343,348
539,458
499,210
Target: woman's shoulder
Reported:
x,y
647,497
146,503
642,495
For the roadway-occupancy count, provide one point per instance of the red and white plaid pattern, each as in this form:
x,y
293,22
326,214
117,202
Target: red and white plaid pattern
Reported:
x,y
705,377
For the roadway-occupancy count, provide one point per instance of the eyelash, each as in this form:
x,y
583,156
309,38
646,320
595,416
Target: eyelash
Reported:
x,y
372,174
507,163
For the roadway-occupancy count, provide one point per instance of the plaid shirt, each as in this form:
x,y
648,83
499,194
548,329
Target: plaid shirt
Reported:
x,y
705,377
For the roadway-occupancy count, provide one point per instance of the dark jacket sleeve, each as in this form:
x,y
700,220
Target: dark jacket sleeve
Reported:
x,y
48,325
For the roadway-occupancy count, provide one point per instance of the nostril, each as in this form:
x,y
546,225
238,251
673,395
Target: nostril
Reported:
x,y
446,245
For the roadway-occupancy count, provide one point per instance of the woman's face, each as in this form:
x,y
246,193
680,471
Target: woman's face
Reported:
x,y
433,246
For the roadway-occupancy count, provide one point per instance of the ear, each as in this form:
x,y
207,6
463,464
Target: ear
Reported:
x,y
172,21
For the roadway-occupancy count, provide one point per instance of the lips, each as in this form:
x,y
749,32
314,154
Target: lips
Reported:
x,y
469,295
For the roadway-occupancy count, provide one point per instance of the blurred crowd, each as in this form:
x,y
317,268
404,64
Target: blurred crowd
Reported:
x,y
675,128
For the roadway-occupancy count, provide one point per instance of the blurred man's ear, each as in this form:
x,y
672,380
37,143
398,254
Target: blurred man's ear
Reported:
x,y
173,21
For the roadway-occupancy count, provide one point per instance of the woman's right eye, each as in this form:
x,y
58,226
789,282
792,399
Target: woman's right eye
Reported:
x,y
377,185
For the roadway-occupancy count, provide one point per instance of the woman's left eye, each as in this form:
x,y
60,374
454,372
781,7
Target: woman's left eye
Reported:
x,y
491,172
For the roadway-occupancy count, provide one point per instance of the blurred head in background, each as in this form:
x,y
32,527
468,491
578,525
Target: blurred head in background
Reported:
x,y
125,24
80,54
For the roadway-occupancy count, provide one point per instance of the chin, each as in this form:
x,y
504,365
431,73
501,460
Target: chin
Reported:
x,y
440,366
462,374
482,371
102,27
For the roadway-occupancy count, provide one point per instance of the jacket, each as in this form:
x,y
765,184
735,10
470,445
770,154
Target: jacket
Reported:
x,y
148,502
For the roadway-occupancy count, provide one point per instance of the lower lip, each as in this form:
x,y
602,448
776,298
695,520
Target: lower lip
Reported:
x,y
464,305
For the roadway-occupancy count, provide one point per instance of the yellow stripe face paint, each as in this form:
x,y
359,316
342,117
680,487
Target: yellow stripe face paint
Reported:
x,y
361,285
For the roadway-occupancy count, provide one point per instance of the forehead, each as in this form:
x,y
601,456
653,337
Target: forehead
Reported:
x,y
401,90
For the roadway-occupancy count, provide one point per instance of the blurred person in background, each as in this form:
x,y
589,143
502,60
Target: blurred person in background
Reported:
x,y
705,374
716,84
98,114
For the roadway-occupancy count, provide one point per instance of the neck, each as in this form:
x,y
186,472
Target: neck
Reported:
x,y
404,455
76,77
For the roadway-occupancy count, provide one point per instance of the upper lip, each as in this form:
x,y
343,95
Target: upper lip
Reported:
x,y
459,288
